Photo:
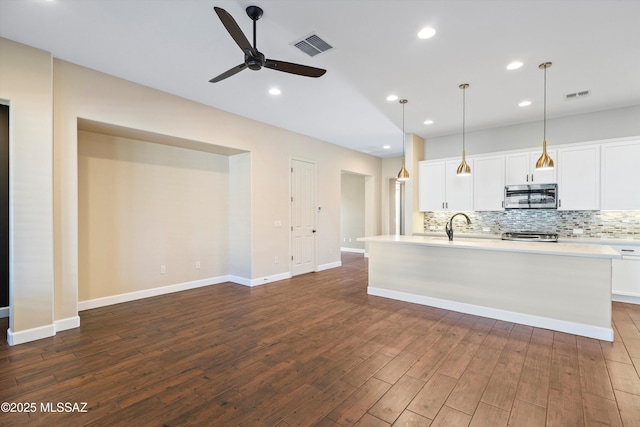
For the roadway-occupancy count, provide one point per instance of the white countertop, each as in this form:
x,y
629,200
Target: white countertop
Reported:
x,y
578,240
560,248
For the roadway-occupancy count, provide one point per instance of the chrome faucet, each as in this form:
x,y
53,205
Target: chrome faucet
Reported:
x,y
448,228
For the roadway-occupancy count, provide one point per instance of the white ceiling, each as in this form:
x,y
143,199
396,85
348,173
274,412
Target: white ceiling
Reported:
x,y
178,45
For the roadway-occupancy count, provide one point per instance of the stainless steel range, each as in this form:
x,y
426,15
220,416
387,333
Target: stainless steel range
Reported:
x,y
530,236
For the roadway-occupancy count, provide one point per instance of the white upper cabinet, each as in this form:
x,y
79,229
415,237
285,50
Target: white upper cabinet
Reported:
x,y
579,178
520,168
516,168
431,186
458,189
620,162
440,189
488,183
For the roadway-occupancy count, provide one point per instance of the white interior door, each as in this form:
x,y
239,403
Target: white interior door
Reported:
x,y
303,217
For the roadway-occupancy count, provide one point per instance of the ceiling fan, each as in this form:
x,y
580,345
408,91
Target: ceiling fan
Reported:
x,y
254,59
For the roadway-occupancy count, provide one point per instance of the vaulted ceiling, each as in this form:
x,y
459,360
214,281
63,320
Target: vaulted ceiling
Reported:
x,y
178,45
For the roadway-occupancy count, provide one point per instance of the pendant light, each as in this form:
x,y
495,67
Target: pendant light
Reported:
x,y
403,175
464,168
545,161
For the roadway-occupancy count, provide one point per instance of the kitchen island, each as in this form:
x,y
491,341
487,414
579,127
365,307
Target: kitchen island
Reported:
x,y
560,286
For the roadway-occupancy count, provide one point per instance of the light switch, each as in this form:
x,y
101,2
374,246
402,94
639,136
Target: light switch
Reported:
x,y
277,223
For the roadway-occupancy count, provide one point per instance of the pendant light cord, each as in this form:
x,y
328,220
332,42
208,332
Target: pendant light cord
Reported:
x,y
403,137
464,102
403,101
544,126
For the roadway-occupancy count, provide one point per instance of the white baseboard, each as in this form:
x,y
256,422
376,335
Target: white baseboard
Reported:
x,y
147,293
259,281
132,296
68,323
328,266
590,331
4,312
15,338
239,280
354,250
630,298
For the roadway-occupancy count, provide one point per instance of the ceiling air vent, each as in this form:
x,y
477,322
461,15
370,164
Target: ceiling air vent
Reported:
x,y
576,95
312,45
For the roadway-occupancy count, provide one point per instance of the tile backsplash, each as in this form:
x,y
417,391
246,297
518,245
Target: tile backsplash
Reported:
x,y
594,224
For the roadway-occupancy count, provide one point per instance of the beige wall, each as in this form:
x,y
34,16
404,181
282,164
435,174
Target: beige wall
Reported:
x,y
240,221
25,84
143,205
416,224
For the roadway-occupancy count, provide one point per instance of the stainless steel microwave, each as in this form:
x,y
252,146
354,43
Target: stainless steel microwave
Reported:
x,y
533,196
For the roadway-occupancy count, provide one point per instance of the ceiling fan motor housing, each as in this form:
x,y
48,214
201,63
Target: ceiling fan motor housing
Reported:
x,y
254,62
254,12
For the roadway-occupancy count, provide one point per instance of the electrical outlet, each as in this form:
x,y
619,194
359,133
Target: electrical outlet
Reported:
x,y
486,229
275,259
197,264
163,269
277,223
432,227
577,231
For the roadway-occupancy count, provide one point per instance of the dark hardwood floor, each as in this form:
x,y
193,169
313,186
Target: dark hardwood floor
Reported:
x,y
317,350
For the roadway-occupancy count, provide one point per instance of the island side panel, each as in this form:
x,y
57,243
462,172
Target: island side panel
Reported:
x,y
573,290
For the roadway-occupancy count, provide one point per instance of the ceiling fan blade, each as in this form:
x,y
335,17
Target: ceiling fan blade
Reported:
x,y
234,30
288,67
228,73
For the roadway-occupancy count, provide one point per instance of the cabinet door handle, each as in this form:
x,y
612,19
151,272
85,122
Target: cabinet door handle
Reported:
x,y
503,203
531,177
442,205
527,177
447,205
627,250
559,203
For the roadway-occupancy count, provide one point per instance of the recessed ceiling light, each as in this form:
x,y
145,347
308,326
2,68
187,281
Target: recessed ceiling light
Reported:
x,y
428,122
514,65
524,104
274,91
426,33
386,147
392,98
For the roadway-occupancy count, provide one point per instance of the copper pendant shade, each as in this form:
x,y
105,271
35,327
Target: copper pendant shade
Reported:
x,y
545,161
403,175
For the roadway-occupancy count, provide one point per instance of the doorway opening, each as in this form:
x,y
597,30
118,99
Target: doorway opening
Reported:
x,y
4,211
396,207
352,212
